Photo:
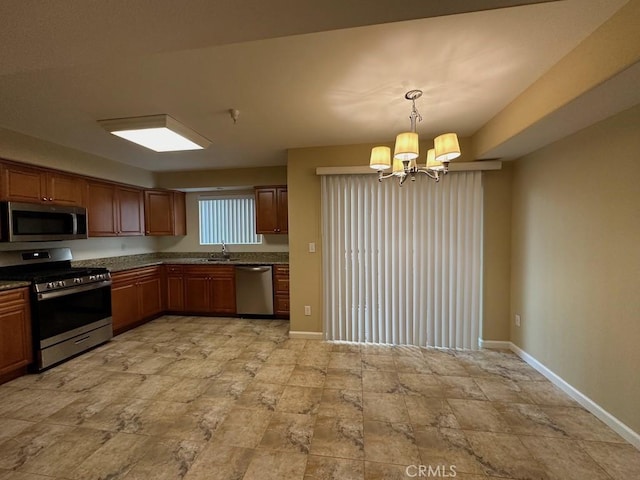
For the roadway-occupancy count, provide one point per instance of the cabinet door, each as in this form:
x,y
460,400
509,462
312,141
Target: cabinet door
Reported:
x,y
22,184
196,293
101,209
158,212
266,210
130,211
150,296
179,213
175,293
15,331
283,210
124,306
223,294
65,189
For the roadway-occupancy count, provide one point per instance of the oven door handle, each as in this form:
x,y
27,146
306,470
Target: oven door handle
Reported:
x,y
71,290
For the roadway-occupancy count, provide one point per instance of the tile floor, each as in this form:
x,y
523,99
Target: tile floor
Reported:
x,y
206,398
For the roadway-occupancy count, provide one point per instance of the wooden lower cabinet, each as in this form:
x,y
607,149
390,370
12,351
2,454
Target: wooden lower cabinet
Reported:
x,y
136,296
210,289
16,350
281,290
174,288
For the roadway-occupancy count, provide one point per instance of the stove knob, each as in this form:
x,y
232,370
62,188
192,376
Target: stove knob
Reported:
x,y
50,285
92,278
77,280
61,283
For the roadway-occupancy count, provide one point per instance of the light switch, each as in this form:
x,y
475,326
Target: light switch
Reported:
x,y
312,247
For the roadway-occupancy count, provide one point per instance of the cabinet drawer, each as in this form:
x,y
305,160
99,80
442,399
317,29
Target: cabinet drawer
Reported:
x,y
281,306
134,276
9,298
281,284
174,269
210,270
281,270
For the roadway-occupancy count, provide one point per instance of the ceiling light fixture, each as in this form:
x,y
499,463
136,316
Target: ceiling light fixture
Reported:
x,y
406,151
160,133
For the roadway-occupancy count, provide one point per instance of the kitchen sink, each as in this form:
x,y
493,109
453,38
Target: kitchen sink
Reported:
x,y
216,259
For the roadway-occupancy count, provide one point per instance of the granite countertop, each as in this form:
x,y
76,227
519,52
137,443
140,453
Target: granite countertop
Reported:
x,y
9,284
116,264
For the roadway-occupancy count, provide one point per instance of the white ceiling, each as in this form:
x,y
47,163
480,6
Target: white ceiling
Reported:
x,y
64,67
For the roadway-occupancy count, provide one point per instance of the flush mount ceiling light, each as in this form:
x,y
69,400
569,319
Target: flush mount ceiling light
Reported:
x,y
406,151
160,133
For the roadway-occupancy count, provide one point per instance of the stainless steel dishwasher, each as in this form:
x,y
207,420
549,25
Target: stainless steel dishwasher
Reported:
x,y
254,290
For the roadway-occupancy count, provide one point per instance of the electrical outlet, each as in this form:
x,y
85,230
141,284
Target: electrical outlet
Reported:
x,y
517,320
307,310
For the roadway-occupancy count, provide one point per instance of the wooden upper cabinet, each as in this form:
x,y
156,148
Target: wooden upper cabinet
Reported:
x,y
130,207
271,210
179,213
101,209
164,212
114,210
25,184
283,210
65,189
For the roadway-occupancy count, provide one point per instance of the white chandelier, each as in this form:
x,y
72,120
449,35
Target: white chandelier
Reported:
x,y
406,151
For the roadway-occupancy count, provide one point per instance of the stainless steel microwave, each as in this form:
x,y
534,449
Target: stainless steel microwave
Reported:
x,y
34,222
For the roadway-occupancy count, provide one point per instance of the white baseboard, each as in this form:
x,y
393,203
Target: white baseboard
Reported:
x,y
307,335
616,425
496,344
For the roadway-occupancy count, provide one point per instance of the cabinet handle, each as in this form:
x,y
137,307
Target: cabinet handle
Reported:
x,y
44,199
51,199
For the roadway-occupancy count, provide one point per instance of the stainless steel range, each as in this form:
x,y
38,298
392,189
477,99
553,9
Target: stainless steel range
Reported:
x,y
70,307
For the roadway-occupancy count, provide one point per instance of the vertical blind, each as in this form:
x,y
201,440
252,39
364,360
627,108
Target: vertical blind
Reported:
x,y
403,265
230,220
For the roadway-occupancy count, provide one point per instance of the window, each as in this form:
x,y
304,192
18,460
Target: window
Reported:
x,y
228,219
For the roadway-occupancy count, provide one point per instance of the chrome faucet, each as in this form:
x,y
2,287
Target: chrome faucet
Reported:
x,y
225,254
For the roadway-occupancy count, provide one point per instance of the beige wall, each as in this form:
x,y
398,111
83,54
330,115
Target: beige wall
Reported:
x,y
496,252
609,50
305,269
236,177
576,261
305,227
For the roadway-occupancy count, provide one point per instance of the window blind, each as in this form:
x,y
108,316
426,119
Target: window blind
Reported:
x,y
403,265
228,219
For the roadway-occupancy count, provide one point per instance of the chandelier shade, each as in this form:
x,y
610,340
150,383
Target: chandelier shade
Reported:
x,y
406,151
432,163
406,146
398,167
380,158
446,147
